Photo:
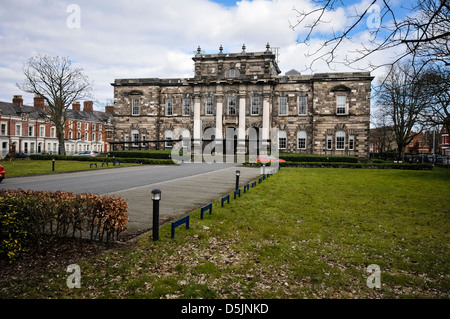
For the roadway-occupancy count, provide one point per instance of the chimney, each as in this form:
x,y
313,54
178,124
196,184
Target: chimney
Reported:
x,y
39,101
88,106
109,109
76,106
17,99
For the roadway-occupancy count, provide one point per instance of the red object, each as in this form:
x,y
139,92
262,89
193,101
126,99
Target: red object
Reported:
x,y
2,173
269,158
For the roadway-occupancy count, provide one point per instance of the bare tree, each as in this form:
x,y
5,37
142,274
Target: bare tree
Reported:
x,y
421,36
403,100
436,85
59,83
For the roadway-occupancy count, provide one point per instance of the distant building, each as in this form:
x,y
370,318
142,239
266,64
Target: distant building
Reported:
x,y
326,113
444,141
29,129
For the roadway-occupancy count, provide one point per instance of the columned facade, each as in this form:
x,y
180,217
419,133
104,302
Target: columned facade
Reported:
x,y
238,97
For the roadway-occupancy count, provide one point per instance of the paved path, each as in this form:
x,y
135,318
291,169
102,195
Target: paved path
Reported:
x,y
181,196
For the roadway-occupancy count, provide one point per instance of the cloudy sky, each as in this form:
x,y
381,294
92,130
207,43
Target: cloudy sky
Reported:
x,y
113,39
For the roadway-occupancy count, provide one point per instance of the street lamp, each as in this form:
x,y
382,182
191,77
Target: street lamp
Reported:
x,y
237,179
156,197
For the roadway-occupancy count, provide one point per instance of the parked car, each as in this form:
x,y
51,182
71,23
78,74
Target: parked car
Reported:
x,y
269,158
87,153
18,155
2,173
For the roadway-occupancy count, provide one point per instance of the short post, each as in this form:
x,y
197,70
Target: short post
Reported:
x,y
237,179
264,169
156,197
114,161
53,165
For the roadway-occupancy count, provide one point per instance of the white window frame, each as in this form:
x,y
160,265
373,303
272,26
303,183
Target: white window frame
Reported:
x,y
303,105
18,129
168,136
186,107
135,111
329,142
255,105
209,105
283,105
169,107
301,140
341,104
232,105
4,129
282,139
351,142
42,130
340,140
30,130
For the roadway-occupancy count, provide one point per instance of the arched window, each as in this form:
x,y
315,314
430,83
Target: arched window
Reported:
x,y
232,73
301,137
340,140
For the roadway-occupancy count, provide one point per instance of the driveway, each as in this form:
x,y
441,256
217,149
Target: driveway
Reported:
x,y
184,187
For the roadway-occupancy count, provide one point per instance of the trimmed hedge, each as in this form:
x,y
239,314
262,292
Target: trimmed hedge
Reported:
x,y
29,220
142,154
360,165
293,157
150,161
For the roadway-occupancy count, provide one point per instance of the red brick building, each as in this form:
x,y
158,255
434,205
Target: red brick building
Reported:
x,y
29,130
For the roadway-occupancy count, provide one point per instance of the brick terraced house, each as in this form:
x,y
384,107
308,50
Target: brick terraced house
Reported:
x,y
30,131
326,113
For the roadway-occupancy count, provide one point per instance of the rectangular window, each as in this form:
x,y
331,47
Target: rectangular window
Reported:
x,y
302,140
302,108
232,105
341,108
18,129
3,130
135,107
255,105
42,131
30,130
351,142
169,107
169,142
340,140
329,142
282,138
186,107
283,105
209,106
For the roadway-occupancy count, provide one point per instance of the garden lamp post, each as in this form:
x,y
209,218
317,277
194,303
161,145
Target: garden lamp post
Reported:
x,y
156,197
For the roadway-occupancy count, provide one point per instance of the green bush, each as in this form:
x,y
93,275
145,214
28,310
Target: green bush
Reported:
x,y
149,161
142,154
293,157
32,219
359,165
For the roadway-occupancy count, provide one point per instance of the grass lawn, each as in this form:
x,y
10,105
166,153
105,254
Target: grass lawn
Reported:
x,y
30,167
302,233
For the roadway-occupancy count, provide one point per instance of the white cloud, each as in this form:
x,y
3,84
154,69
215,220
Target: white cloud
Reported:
x,y
140,38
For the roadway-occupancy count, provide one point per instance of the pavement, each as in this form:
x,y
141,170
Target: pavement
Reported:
x,y
180,196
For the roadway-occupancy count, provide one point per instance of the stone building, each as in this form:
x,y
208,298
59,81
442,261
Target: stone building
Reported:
x,y
237,93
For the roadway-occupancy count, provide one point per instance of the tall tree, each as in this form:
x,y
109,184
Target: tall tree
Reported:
x,y
59,83
422,35
436,86
402,99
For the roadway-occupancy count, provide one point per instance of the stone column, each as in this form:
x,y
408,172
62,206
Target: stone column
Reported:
x,y
265,123
242,120
219,123
197,129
